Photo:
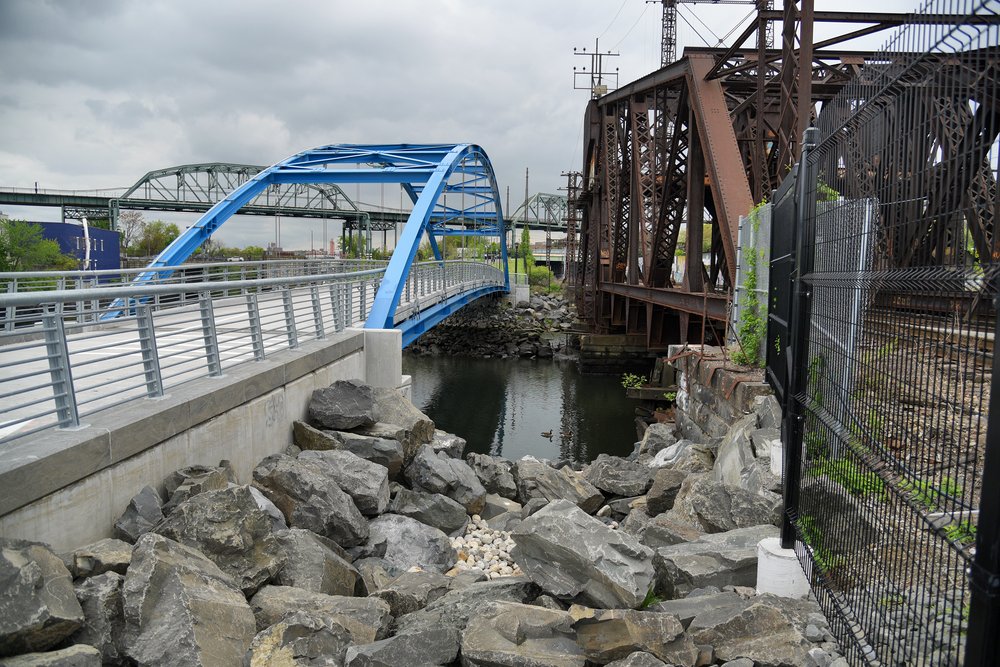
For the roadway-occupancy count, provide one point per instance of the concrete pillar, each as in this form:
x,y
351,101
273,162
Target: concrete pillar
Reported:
x,y
384,357
778,570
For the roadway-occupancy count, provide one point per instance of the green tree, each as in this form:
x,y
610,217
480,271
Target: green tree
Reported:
x,y
524,248
130,227
156,236
22,248
252,253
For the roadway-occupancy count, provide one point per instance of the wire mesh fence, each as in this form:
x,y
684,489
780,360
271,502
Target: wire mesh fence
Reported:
x,y
898,272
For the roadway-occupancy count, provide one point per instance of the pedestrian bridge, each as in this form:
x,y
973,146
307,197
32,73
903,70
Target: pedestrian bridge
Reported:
x,y
110,380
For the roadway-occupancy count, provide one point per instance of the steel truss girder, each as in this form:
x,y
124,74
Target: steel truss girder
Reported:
x,y
446,182
208,183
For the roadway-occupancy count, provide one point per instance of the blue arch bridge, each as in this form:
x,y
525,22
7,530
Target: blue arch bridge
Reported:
x,y
79,342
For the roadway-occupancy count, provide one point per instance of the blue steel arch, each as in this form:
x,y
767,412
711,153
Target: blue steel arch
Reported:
x,y
433,175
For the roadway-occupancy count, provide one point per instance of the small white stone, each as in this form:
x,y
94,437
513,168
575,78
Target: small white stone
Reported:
x,y
476,518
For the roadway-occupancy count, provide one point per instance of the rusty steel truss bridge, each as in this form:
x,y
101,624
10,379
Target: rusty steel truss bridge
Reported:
x,y
688,149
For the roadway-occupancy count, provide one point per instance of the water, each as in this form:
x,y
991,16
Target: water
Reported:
x,y
503,407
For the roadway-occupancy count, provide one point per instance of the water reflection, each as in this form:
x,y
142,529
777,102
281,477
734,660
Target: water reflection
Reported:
x,y
516,407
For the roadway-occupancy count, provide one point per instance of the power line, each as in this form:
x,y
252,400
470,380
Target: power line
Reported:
x,y
617,14
625,36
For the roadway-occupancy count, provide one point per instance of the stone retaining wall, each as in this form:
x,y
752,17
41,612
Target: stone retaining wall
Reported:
x,y
713,392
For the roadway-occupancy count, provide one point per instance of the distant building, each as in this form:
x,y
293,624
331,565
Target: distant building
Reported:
x,y
104,247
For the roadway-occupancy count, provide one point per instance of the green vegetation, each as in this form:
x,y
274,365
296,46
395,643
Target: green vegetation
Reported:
x,y
924,492
812,535
825,193
650,599
670,395
155,237
753,315
851,476
22,248
631,380
963,532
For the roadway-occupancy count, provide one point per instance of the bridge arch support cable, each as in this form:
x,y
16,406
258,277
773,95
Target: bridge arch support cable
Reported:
x,y
449,184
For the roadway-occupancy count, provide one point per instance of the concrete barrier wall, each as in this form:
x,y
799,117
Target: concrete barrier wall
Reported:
x,y
66,488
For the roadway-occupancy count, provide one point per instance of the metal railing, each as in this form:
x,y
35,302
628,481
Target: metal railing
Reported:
x,y
58,367
87,310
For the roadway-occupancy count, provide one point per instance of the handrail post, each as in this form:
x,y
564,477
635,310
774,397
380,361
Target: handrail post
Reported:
x,y
293,334
209,334
336,307
348,304
317,312
57,352
150,355
256,332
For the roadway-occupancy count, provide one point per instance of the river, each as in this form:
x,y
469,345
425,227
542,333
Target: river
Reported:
x,y
509,407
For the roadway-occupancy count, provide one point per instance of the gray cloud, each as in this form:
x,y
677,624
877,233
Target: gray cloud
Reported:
x,y
95,94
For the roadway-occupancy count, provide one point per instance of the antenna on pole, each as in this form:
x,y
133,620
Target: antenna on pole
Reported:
x,y
600,82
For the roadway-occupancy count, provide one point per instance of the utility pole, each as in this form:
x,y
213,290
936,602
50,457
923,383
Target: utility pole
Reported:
x,y
600,82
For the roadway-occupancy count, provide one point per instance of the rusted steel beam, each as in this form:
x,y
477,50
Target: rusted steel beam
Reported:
x,y
729,183
711,305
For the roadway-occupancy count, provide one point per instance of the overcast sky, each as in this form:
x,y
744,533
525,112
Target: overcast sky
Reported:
x,y
93,94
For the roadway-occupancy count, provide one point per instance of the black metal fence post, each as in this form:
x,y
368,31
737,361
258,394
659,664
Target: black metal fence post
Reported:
x,y
983,636
805,213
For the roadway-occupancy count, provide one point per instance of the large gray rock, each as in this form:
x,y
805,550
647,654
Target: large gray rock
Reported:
x,y
393,408
495,474
658,436
496,505
144,511
365,482
618,477
686,609
228,528
413,590
405,542
428,646
310,438
768,411
192,480
299,639
38,606
344,405
662,532
313,564
639,659
684,455
455,608
614,634
714,507
448,444
366,619
507,634
577,558
735,463
666,484
181,609
538,480
438,473
715,560
387,452
433,509
306,493
759,631
408,441
80,655
107,555
103,626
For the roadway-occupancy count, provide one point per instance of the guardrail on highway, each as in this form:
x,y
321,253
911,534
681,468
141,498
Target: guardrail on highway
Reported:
x,y
59,363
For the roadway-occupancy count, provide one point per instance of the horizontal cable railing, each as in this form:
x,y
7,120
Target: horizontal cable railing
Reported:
x,y
58,367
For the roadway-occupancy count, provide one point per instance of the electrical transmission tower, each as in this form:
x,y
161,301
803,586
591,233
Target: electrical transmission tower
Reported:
x,y
668,40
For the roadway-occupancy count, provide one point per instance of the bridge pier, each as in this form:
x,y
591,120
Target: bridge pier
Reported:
x,y
67,487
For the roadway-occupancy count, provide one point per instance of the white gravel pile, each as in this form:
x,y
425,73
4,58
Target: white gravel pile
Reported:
x,y
482,548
